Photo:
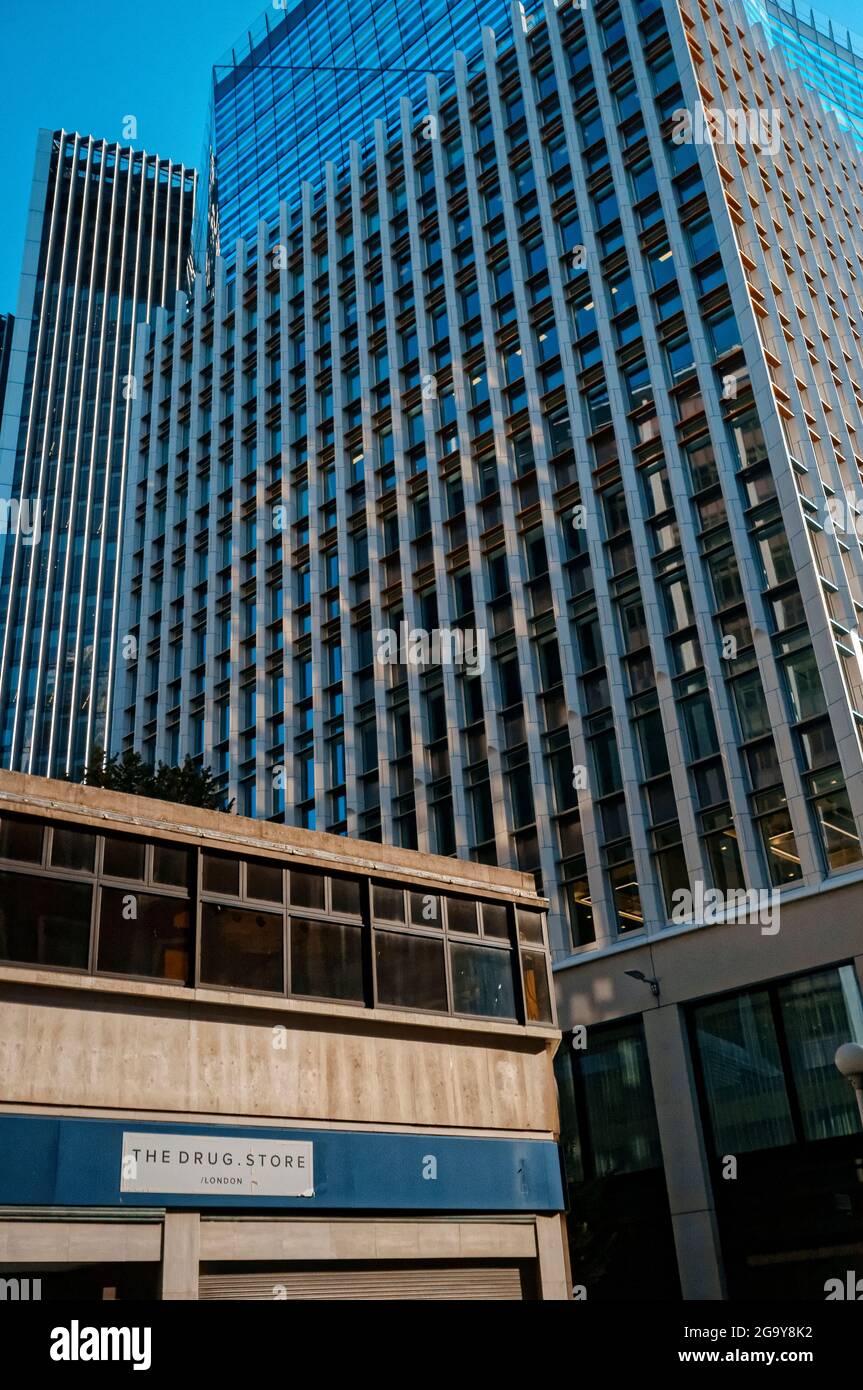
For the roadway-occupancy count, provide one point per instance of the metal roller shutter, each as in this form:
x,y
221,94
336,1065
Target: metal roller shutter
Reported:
x,y
341,1281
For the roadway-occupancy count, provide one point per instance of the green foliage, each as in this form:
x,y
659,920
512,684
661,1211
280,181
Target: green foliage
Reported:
x,y
189,785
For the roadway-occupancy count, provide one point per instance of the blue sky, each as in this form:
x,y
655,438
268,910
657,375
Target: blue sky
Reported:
x,y
86,64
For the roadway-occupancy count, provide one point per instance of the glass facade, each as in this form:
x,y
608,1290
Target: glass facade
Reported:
x,y
766,1059
504,386
619,1224
828,57
311,77
114,232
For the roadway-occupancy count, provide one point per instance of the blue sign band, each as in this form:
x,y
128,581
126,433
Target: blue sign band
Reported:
x,y
66,1162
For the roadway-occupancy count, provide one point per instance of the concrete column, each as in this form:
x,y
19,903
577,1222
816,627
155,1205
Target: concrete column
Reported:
x,y
690,1192
181,1253
552,1251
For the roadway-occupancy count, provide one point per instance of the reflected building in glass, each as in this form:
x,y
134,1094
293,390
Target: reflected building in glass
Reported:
x,y
310,77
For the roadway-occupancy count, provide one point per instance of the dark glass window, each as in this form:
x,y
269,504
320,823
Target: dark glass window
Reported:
x,y
482,981
171,866
73,849
241,947
619,1101
529,926
494,920
123,858
307,889
389,903
742,1041
410,971
346,896
44,926
461,915
21,839
326,959
221,874
264,880
142,934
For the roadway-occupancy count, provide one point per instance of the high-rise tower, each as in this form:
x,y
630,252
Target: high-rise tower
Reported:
x,y
526,373
108,239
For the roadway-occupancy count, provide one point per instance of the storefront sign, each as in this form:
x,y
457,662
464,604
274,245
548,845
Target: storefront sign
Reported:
x,y
66,1161
208,1164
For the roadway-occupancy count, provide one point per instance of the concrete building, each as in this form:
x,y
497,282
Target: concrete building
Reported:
x,y
108,238
245,1061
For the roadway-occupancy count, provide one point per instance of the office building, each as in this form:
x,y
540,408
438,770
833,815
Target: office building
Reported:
x,y
107,239
308,78
535,382
251,1062
565,380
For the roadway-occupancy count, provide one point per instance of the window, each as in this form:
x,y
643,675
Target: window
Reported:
x,y
410,971
482,981
123,857
766,1061
326,959
264,927
72,849
40,926
618,1100
21,839
142,934
242,948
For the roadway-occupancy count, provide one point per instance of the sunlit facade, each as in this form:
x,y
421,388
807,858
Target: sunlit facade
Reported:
x,y
534,379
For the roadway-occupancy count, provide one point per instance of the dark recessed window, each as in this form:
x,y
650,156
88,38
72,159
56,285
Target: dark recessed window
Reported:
x,y
21,839
171,866
264,880
346,896
326,959
43,922
482,981
494,920
73,849
307,889
142,934
389,903
461,915
241,947
537,999
221,874
529,926
410,971
123,858
425,910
